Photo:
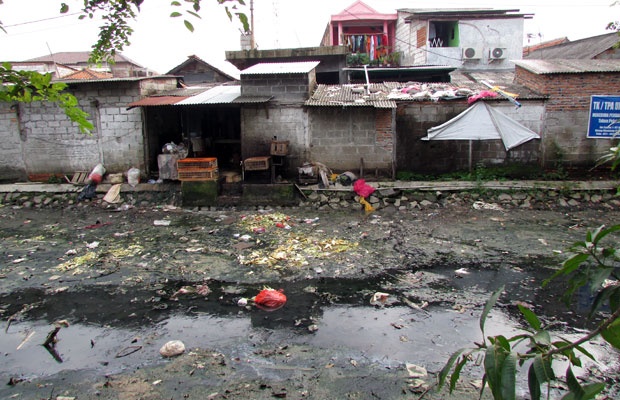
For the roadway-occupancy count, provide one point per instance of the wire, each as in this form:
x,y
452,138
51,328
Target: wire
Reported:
x,y
41,20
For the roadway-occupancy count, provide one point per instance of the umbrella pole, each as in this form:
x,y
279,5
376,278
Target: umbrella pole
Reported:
x,y
470,154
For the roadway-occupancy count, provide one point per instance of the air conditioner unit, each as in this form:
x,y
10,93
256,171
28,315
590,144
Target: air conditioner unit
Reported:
x,y
497,53
472,53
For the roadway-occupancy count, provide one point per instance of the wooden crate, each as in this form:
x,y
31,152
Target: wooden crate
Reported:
x,y
256,163
279,148
194,163
198,174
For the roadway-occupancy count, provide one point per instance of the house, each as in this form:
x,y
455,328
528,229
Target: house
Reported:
x,y
123,67
601,47
543,45
469,39
38,138
195,71
569,86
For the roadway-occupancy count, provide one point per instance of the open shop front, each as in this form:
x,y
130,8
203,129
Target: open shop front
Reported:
x,y
175,131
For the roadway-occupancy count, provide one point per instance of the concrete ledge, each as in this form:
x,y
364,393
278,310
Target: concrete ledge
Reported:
x,y
30,187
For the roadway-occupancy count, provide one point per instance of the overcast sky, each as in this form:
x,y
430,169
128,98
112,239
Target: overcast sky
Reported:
x,y
35,27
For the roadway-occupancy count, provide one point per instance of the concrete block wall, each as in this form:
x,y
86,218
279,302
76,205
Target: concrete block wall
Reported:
x,y
283,87
54,144
341,137
566,118
260,125
12,167
415,155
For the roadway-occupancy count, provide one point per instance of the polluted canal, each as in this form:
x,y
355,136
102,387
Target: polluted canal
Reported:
x,y
375,302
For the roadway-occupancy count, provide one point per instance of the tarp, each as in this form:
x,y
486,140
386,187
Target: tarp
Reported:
x,y
482,122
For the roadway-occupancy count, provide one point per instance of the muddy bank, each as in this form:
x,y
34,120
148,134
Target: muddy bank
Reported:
x,y
114,272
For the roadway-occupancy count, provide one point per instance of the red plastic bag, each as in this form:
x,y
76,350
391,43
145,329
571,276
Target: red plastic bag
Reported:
x,y
270,299
362,188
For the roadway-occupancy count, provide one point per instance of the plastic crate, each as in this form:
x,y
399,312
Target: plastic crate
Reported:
x,y
279,148
198,174
256,163
194,163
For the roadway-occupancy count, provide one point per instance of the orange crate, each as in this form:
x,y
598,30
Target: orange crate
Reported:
x,y
193,163
198,174
256,163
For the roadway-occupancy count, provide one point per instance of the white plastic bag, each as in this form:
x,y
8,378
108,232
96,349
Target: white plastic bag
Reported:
x,y
133,176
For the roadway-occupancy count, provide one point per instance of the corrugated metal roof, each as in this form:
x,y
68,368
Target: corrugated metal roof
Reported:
x,y
281,68
156,101
587,48
382,95
246,99
563,66
216,95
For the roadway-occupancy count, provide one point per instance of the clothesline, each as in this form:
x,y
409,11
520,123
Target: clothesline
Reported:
x,y
374,45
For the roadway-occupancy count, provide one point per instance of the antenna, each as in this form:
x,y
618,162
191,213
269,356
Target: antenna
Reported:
x,y
53,60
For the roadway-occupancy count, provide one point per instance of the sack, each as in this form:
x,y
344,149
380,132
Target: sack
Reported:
x,y
133,176
88,192
270,299
96,174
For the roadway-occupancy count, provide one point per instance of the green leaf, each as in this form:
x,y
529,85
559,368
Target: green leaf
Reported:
x,y
175,3
542,338
488,306
194,14
533,383
448,366
508,377
189,25
573,384
530,317
612,334
175,14
542,368
454,378
64,8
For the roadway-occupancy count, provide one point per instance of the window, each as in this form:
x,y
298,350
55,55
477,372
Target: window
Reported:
x,y
443,33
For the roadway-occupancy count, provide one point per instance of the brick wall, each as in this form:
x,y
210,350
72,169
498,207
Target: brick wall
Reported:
x,y
566,121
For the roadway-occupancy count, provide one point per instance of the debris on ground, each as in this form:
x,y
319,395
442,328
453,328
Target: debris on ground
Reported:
x,y
172,348
270,299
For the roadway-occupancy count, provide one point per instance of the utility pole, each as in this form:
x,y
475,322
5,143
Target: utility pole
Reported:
x,y
252,40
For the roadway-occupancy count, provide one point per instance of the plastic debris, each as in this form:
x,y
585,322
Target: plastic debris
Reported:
x,y
270,299
172,348
161,222
362,188
113,195
379,299
133,176
96,174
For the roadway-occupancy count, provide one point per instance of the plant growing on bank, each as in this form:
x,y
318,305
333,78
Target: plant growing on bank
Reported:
x,y
595,264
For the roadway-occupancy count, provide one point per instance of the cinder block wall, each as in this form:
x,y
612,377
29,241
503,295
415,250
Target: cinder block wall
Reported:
x,y
567,114
259,125
54,143
12,167
286,87
413,120
50,143
342,137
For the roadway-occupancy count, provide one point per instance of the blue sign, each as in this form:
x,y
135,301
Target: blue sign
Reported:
x,y
604,117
